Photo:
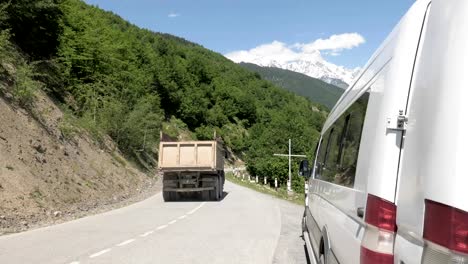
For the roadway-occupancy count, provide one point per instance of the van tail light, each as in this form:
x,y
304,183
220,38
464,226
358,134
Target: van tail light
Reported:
x,y
445,233
379,236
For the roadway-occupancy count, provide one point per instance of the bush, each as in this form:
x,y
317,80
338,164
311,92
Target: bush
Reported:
x,y
25,86
67,125
4,45
175,127
88,123
297,183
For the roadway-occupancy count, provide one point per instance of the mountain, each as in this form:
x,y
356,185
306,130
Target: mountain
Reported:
x,y
317,90
311,64
336,82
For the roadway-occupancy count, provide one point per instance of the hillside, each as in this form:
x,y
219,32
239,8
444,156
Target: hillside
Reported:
x,y
47,179
317,90
110,88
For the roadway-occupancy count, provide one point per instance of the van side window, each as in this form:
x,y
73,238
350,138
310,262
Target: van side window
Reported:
x,y
327,149
339,161
321,155
343,140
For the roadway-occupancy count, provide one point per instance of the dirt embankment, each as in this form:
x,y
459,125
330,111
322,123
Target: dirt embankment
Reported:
x,y
45,178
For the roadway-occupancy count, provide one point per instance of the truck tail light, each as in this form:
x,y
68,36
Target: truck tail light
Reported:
x,y
379,236
445,233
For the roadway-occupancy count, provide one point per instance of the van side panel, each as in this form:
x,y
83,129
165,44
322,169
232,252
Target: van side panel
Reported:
x,y
391,95
329,201
387,79
434,163
377,172
444,107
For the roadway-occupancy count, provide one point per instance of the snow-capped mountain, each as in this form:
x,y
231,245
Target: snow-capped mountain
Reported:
x,y
311,64
320,69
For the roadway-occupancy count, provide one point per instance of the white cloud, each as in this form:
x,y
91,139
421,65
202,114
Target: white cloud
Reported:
x,y
335,43
273,51
283,53
173,15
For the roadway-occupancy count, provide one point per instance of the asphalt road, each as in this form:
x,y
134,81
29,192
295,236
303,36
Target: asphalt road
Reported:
x,y
245,227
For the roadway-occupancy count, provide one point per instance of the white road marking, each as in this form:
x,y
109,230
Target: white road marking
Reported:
x,y
100,253
75,262
126,242
161,227
147,233
172,222
182,217
196,208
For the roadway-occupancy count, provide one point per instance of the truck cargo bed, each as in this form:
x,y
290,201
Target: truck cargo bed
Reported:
x,y
191,156
192,167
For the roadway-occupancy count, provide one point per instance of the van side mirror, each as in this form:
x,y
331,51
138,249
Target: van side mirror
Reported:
x,y
304,168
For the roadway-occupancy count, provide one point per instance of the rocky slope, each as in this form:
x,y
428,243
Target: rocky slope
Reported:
x,y
46,178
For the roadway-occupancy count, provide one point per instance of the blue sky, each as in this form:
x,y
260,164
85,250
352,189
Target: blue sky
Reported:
x,y
231,25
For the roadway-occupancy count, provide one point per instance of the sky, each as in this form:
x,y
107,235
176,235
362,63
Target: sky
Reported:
x,y
345,32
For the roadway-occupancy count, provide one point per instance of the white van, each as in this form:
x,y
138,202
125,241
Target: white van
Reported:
x,y
390,180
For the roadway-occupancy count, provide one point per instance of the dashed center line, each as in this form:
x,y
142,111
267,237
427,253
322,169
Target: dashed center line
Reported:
x,y
198,207
147,233
100,253
161,227
126,242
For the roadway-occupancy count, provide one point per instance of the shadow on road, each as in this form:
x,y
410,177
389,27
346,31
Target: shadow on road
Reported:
x,y
195,197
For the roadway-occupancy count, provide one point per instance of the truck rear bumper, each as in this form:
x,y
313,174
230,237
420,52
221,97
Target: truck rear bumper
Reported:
x,y
188,189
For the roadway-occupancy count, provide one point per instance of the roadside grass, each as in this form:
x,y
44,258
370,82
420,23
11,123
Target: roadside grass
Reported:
x,y
259,187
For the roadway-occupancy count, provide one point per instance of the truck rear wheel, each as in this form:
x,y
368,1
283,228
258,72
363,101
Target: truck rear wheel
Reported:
x,y
205,195
221,184
170,196
220,188
214,194
175,196
166,196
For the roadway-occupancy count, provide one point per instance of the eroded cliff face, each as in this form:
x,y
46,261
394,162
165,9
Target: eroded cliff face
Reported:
x,y
47,178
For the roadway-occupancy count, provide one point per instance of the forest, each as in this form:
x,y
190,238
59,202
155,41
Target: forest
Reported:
x,y
114,79
315,89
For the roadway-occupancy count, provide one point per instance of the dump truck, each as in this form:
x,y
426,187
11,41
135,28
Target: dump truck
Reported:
x,y
195,167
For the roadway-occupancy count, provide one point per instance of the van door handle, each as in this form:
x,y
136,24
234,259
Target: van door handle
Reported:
x,y
360,212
